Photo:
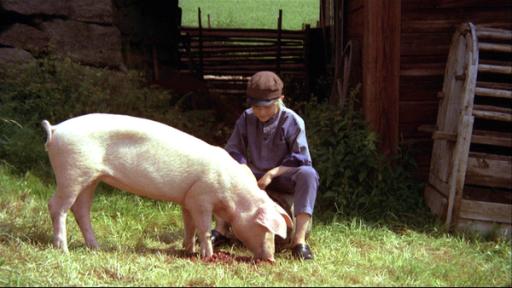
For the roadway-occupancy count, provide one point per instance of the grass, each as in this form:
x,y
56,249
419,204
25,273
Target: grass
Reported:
x,y
141,246
250,14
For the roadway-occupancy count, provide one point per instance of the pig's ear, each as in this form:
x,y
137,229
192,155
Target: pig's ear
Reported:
x,y
273,220
287,219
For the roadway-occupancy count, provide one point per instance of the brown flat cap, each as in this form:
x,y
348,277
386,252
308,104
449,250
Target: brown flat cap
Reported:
x,y
264,88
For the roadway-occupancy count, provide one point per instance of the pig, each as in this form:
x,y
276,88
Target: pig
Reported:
x,y
154,160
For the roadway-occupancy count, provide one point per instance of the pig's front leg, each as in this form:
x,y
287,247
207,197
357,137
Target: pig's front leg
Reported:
x,y
206,242
202,217
200,206
189,240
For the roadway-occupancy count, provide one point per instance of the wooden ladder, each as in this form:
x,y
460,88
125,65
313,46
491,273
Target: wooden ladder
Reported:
x,y
472,150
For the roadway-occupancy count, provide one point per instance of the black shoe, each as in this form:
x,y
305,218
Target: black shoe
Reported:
x,y
218,239
302,251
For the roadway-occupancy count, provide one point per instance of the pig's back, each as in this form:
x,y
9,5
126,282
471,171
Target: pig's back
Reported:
x,y
139,155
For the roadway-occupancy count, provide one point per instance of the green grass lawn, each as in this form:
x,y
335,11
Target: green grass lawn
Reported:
x,y
141,246
251,14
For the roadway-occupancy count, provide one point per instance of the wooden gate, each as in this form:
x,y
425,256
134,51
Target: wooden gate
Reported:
x,y
226,58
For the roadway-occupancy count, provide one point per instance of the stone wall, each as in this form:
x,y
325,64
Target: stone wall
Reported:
x,y
84,30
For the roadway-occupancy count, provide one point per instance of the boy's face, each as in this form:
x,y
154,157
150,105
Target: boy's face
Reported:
x,y
264,113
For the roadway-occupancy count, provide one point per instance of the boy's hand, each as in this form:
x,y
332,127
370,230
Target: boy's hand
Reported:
x,y
265,180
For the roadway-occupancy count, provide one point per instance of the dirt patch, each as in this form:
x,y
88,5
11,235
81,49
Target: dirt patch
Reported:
x,y
221,257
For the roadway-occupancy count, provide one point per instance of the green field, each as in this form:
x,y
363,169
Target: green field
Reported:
x,y
141,246
250,14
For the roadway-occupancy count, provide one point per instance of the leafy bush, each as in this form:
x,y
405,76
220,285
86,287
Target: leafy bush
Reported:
x,y
58,89
356,180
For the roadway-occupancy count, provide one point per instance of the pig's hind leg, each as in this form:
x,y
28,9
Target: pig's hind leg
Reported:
x,y
68,190
82,211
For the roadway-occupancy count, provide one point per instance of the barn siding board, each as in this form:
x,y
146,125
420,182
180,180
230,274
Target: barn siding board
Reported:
x,y
426,30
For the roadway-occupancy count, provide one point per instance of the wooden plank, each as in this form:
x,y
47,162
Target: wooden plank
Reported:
x,y
483,113
501,139
381,70
253,66
425,44
493,47
422,70
242,62
485,68
435,201
471,3
491,108
249,72
417,111
493,33
489,170
419,89
494,62
488,92
244,33
479,136
486,211
494,85
440,185
458,171
493,115
237,46
250,57
210,41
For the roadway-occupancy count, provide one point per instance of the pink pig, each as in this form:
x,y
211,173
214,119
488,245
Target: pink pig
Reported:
x,y
157,161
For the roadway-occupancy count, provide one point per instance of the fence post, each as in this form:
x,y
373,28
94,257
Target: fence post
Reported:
x,y
307,59
279,32
200,42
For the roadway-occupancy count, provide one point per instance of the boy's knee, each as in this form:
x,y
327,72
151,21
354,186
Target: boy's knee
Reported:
x,y
307,173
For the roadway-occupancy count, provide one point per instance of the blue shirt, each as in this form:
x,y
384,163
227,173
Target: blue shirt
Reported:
x,y
281,141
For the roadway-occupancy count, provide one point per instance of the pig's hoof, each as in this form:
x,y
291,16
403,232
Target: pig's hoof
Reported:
x,y
61,246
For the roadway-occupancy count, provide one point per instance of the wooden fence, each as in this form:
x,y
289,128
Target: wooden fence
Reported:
x,y
226,58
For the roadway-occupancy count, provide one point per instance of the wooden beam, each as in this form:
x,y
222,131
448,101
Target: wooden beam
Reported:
x,y
381,70
486,211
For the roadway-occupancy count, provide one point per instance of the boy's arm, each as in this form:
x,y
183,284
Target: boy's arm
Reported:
x,y
236,145
298,146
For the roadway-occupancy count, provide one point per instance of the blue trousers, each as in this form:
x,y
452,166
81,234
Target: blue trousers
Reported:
x,y
302,182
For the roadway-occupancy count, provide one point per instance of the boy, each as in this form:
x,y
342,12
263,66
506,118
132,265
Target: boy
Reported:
x,y
271,140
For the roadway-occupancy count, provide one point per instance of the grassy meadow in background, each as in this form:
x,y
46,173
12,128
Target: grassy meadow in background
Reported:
x,y
371,226
250,14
